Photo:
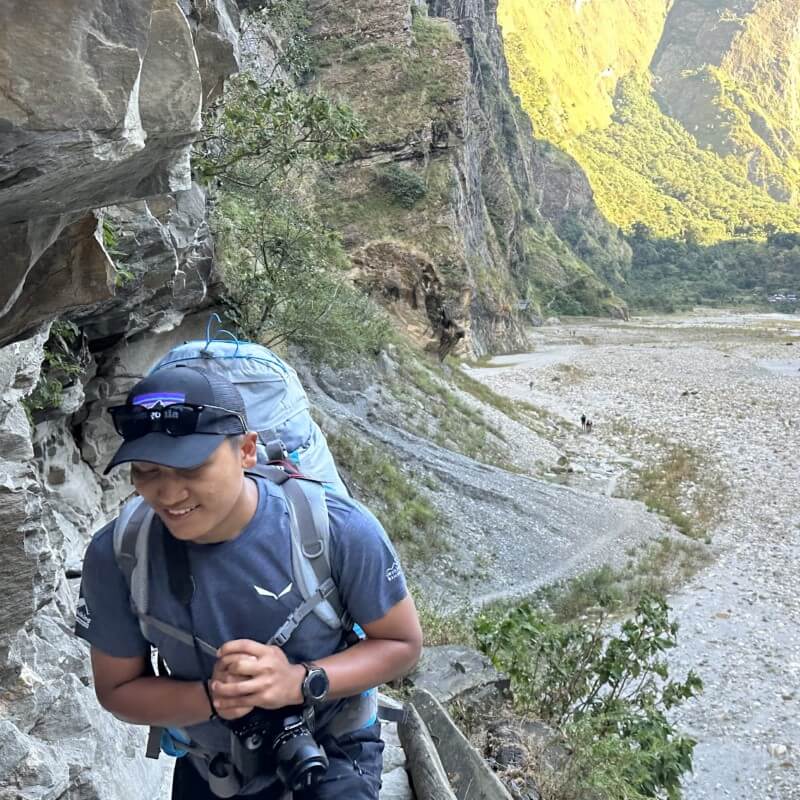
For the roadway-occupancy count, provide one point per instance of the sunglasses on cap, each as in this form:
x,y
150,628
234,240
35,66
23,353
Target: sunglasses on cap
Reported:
x,y
177,419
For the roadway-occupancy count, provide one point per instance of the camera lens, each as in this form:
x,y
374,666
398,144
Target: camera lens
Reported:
x,y
301,761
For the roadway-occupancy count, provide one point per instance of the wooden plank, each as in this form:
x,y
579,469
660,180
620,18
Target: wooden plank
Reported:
x,y
427,773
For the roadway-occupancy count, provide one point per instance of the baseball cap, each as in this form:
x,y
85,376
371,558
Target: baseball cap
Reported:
x,y
223,414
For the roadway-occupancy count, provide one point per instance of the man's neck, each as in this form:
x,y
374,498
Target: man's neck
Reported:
x,y
243,512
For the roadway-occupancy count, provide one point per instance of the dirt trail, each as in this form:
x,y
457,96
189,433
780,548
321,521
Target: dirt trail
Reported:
x,y
727,385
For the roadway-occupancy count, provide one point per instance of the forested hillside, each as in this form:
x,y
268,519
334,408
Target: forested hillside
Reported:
x,y
686,125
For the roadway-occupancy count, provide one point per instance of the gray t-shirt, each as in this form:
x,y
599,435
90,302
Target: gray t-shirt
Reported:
x,y
244,590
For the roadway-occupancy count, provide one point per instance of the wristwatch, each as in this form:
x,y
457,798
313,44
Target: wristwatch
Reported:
x,y
315,684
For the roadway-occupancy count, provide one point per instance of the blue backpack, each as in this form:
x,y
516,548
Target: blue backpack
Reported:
x,y
292,453
276,403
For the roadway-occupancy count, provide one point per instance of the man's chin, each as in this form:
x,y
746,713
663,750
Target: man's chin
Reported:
x,y
186,530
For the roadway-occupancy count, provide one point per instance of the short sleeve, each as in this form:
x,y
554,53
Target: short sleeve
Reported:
x,y
365,566
104,617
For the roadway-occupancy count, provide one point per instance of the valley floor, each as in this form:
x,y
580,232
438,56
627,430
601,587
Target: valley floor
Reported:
x,y
726,387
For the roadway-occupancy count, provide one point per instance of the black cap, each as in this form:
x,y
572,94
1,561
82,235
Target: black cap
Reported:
x,y
183,384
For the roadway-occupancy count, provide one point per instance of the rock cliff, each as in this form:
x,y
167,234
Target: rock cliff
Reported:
x,y
449,171
100,223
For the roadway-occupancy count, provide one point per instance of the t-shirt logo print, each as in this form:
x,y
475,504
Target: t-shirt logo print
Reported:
x,y
82,616
268,593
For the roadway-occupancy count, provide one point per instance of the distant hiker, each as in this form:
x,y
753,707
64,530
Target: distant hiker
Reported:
x,y
530,385
589,424
583,422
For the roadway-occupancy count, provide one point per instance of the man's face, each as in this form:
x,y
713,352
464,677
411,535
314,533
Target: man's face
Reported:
x,y
205,504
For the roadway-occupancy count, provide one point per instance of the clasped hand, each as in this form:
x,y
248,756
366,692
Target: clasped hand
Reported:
x,y
249,675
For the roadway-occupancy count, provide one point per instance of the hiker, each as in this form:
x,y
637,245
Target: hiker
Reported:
x,y
583,422
252,703
589,425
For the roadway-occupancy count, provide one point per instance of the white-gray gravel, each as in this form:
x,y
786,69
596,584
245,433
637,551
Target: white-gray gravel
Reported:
x,y
740,617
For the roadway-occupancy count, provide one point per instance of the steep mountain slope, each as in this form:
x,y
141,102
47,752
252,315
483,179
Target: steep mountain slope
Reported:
x,y
731,76
705,144
646,167
439,209
566,56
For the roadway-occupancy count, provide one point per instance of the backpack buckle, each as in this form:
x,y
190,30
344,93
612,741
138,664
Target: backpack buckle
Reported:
x,y
276,450
281,637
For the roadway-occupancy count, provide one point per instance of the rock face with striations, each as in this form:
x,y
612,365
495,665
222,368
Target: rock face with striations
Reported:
x,y
447,175
98,106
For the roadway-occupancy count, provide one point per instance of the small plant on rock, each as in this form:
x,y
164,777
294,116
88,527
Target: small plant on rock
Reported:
x,y
63,363
404,185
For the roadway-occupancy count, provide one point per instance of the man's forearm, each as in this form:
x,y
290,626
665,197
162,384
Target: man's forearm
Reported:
x,y
159,701
367,664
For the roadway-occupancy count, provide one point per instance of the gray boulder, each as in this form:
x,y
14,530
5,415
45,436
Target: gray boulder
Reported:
x,y
100,106
455,673
395,785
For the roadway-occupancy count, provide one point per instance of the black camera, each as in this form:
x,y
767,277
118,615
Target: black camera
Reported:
x,y
277,742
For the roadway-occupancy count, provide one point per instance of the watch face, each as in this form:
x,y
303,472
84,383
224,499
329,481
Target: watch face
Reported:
x,y
317,683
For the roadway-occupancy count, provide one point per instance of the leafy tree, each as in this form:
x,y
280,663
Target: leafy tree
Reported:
x,y
284,281
259,132
283,271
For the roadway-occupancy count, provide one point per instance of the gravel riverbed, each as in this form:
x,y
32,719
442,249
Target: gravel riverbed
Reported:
x,y
728,386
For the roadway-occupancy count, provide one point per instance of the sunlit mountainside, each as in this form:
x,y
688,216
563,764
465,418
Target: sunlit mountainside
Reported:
x,y
684,115
684,121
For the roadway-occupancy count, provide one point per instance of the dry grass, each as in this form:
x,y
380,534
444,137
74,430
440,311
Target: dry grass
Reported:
x,y
678,486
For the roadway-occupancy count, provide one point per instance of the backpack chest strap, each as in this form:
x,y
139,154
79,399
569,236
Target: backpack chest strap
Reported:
x,y
284,633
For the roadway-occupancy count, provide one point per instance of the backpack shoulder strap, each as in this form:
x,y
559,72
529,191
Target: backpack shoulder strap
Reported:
x,y
310,530
131,547
131,532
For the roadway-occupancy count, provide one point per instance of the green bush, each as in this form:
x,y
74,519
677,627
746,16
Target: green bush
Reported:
x,y
609,694
284,281
403,185
283,271
258,132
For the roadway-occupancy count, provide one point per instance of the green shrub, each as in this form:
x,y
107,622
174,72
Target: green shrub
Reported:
x,y
258,132
122,275
283,271
609,694
63,363
284,280
403,185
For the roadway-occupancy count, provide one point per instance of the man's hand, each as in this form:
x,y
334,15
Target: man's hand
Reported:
x,y
248,674
222,707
